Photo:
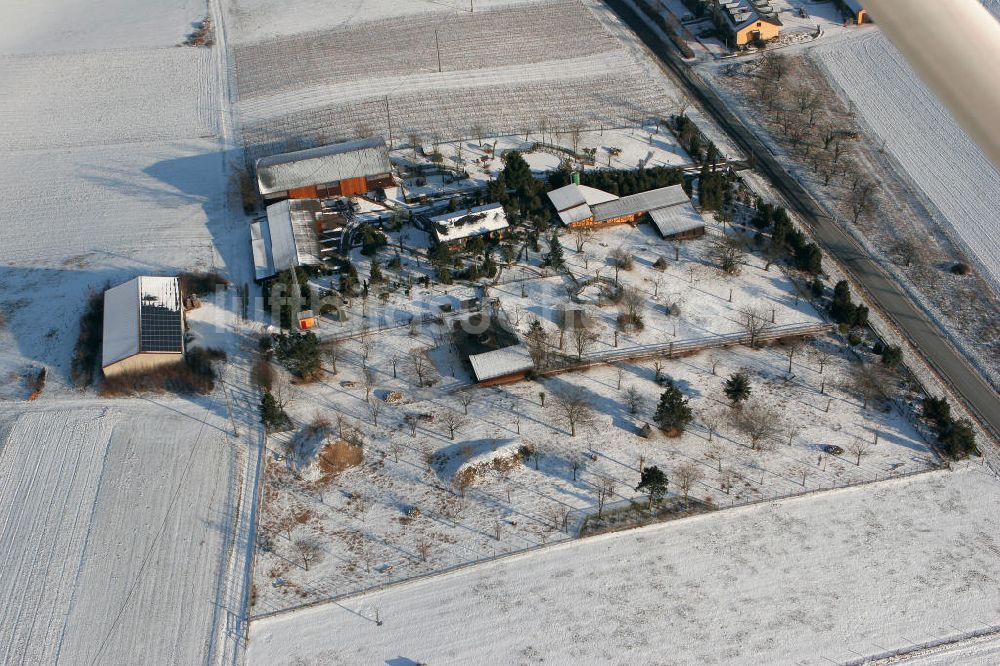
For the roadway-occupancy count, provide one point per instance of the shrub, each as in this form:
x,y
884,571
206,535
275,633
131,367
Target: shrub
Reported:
x,y
961,268
86,355
854,339
892,356
262,373
200,284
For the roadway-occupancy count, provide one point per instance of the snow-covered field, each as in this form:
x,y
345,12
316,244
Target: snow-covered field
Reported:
x,y
563,63
112,167
115,522
834,577
920,133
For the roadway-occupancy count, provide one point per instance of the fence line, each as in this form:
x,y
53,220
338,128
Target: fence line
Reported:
x,y
579,521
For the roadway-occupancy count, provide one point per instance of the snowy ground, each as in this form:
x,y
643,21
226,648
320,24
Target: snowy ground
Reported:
x,y
126,143
370,521
928,143
116,524
832,577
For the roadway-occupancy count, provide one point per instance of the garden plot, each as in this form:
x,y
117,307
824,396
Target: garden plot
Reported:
x,y
690,299
933,150
834,578
396,508
398,48
115,526
563,67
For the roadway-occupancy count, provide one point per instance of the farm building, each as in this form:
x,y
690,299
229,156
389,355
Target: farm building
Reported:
x,y
143,325
669,209
342,169
286,239
454,229
501,366
749,21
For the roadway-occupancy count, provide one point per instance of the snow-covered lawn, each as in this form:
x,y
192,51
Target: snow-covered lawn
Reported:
x,y
833,577
920,133
115,524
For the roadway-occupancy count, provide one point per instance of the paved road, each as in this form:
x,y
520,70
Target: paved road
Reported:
x,y
928,338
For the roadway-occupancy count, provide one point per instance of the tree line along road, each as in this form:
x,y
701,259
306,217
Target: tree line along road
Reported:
x,y
928,338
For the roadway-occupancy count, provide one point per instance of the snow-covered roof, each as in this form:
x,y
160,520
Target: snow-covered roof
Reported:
x,y
677,219
639,203
500,362
142,315
472,222
286,239
572,196
741,13
577,214
326,164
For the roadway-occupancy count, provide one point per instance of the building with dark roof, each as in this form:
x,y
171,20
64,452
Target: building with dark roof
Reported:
x,y
341,169
143,325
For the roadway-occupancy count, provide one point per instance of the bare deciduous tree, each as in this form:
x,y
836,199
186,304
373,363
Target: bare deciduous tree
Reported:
x,y
581,236
605,491
862,199
728,253
631,305
858,448
368,381
792,347
332,350
757,420
423,549
727,478
453,421
574,406
583,339
755,321
375,408
308,549
421,366
873,382
716,453
466,397
686,476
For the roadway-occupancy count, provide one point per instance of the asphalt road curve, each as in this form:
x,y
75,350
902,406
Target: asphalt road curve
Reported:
x,y
930,340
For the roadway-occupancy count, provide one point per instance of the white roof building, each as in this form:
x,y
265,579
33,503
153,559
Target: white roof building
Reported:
x,y
287,238
143,325
669,208
325,164
509,361
477,221
573,195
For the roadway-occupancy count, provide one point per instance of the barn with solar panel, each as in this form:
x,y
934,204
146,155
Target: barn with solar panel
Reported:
x,y
143,325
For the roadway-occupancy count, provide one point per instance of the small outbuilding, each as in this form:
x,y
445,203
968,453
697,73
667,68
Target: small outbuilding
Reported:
x,y
340,169
501,366
143,325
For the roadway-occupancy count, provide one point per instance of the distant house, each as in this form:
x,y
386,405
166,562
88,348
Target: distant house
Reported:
x,y
748,21
857,12
143,325
286,239
501,366
341,169
454,229
668,208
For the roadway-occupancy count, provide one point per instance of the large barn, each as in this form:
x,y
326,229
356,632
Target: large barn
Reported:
x,y
668,208
341,169
143,325
286,239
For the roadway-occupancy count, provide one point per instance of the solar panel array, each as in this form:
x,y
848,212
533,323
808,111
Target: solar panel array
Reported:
x,y
159,326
